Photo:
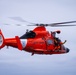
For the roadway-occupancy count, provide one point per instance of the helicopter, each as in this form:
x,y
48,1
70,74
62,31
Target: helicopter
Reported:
x,y
38,40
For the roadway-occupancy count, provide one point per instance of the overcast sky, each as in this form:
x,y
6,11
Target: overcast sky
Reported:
x,y
15,62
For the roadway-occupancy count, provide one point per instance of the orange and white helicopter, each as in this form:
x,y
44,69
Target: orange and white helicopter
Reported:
x,y
39,40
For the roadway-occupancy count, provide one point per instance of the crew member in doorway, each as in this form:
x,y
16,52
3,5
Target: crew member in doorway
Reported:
x,y
58,43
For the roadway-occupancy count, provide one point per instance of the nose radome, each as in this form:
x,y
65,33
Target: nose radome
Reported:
x,y
67,50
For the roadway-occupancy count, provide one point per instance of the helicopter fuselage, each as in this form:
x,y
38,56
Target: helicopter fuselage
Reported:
x,y
38,41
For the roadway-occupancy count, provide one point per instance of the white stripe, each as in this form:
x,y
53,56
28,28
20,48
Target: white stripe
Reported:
x,y
23,42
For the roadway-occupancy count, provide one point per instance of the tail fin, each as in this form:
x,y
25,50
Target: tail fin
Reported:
x,y
2,42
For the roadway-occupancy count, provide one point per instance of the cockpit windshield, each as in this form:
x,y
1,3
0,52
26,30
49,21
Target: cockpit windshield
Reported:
x,y
27,35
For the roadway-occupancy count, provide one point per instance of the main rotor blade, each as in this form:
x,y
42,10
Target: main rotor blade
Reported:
x,y
6,24
62,23
13,24
59,25
20,19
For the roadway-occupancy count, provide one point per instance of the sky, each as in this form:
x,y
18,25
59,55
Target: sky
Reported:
x,y
15,62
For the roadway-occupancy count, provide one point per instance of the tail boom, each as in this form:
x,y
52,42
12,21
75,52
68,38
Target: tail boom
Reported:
x,y
13,42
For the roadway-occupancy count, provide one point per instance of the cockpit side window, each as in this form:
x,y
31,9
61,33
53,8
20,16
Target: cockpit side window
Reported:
x,y
27,35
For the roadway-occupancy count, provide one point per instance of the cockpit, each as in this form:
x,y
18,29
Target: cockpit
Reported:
x,y
29,34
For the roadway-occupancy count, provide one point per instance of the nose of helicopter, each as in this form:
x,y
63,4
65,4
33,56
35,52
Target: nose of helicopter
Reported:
x,y
67,50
